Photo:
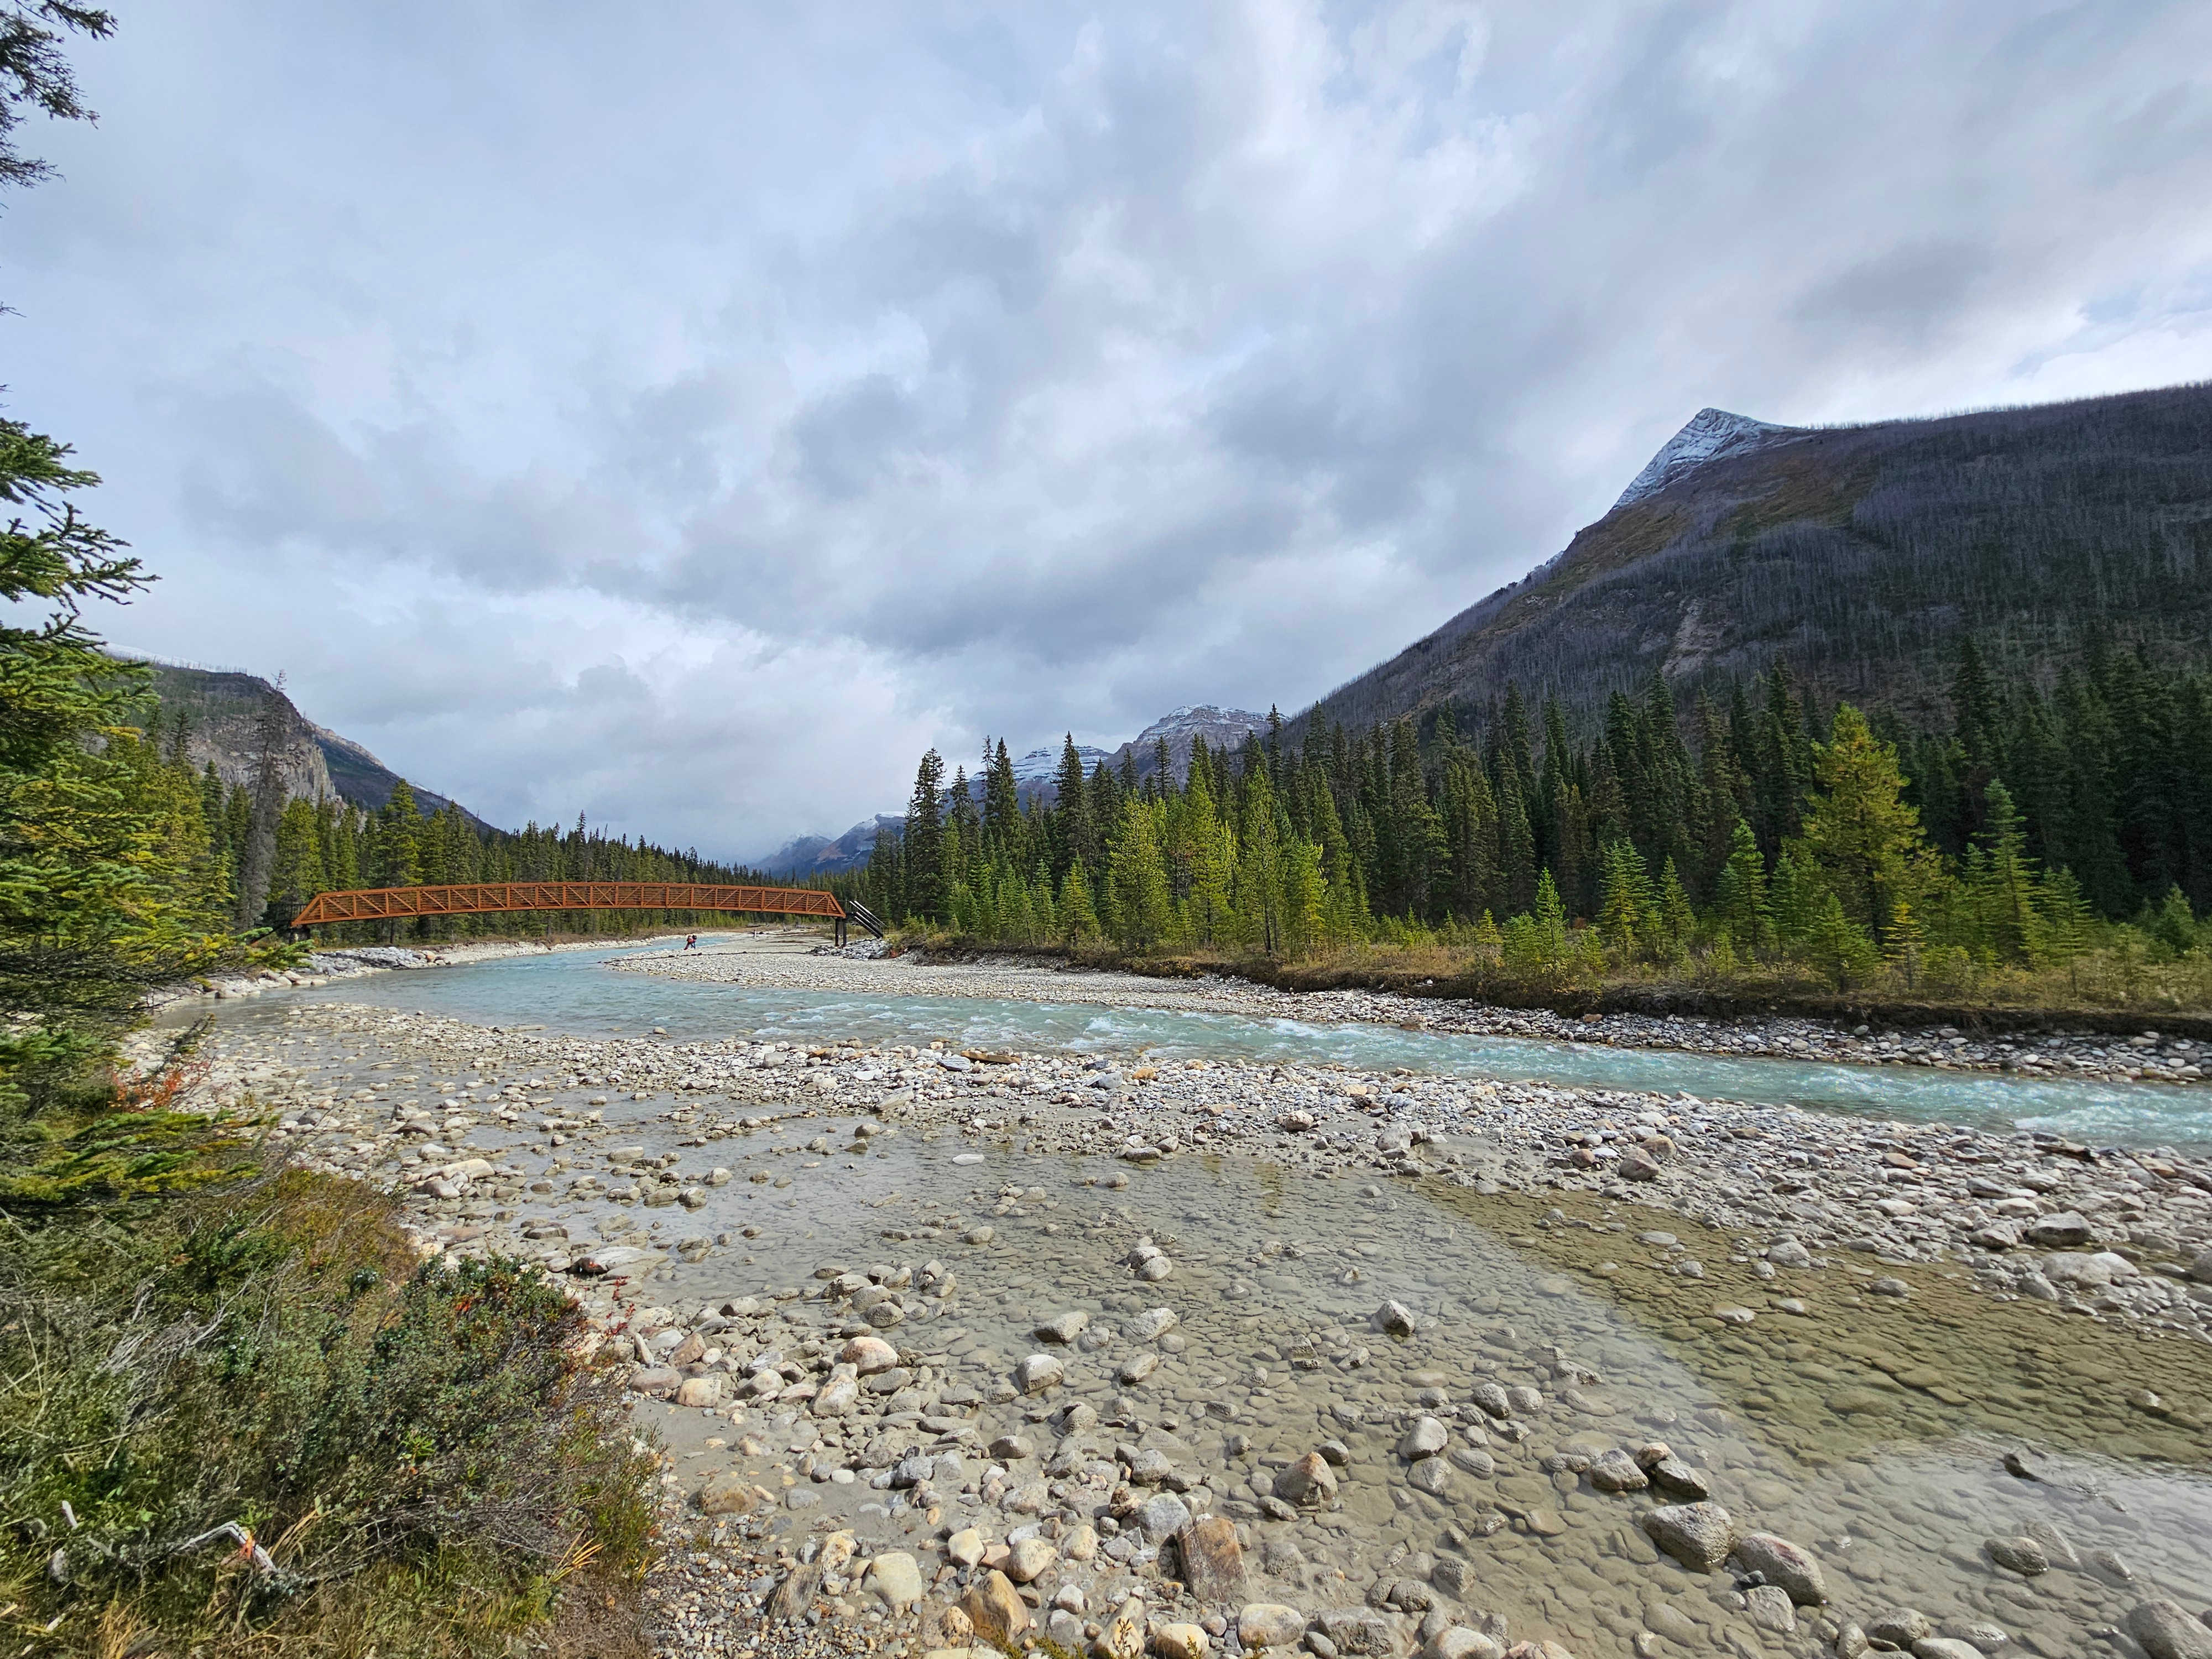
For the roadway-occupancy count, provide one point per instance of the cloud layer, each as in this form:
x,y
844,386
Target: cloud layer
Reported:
x,y
686,423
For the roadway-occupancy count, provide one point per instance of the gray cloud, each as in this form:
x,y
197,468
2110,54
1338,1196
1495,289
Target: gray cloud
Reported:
x,y
687,424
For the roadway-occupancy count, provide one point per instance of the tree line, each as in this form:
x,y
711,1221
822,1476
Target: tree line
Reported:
x,y
267,854
1762,825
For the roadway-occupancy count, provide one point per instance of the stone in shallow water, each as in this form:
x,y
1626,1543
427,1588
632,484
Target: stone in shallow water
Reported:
x,y
1698,1535
1770,1609
1426,1438
1038,1372
2168,1631
1614,1470
1784,1563
2022,1555
1063,1328
1431,1476
1901,1627
1309,1483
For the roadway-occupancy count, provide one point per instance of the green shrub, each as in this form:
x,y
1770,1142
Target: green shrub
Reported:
x,y
270,1357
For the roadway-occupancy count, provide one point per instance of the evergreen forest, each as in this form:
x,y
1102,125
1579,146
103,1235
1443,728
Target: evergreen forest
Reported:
x,y
2054,837
266,856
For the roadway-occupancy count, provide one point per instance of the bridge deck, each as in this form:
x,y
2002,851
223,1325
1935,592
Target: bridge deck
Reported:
x,y
485,898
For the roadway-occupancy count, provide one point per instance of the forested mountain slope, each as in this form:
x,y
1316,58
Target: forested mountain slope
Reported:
x,y
1861,554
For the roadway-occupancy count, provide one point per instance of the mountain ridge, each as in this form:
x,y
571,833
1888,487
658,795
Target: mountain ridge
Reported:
x,y
1860,554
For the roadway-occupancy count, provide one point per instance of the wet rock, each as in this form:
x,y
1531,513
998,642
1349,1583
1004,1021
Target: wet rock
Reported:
x,y
1309,1483
1180,1641
1784,1563
1616,1471
2055,1545
2061,1231
995,1608
1426,1438
895,1579
1677,1478
1474,1461
1982,1638
1770,1609
1038,1372
868,1356
1431,1476
1213,1559
2022,1555
1901,1627
1698,1535
1491,1397
1063,1328
2168,1631
1269,1625
1395,1319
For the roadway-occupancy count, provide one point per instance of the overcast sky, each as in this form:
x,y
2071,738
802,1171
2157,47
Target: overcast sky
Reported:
x,y
686,413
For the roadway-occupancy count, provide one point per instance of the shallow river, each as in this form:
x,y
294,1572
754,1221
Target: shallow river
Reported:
x,y
1871,1430
568,991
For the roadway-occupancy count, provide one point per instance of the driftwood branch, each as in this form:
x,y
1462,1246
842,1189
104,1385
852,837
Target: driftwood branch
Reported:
x,y
248,1550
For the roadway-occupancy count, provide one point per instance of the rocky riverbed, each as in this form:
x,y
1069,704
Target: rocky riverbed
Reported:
x,y
785,960
949,1349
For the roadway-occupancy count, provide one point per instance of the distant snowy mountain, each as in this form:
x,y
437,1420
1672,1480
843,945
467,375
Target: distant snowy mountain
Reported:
x,y
1043,765
1221,728
1709,435
1035,775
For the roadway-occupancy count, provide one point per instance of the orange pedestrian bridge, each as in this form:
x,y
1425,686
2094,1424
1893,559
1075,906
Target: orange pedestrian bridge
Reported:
x,y
480,898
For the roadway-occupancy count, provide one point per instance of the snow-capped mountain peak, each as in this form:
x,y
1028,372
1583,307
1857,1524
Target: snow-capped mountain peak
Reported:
x,y
1709,435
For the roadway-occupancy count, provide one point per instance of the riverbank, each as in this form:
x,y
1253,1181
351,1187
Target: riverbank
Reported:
x,y
1263,1284
785,960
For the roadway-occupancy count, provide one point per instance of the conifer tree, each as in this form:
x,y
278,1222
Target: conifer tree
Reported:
x,y
1002,803
1859,833
924,849
1079,918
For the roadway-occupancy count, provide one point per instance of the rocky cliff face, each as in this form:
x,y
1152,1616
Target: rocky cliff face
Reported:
x,y
222,711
